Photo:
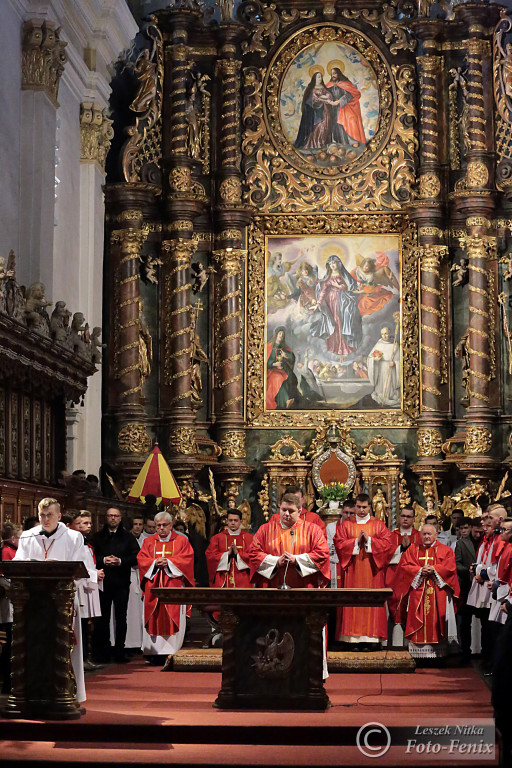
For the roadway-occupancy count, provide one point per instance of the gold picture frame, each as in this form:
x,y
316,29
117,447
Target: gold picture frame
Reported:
x,y
265,227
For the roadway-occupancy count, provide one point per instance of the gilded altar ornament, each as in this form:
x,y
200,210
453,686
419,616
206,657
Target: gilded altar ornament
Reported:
x,y
478,439
507,259
233,444
198,357
477,174
379,448
183,441
267,24
145,348
380,506
197,115
462,351
502,67
430,442
96,134
43,58
392,22
293,451
180,179
503,301
230,190
404,497
133,438
430,186
143,146
264,496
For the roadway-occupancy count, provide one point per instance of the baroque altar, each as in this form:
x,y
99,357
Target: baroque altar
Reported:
x,y
309,220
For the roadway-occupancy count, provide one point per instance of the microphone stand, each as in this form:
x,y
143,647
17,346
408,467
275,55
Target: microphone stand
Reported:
x,y
284,585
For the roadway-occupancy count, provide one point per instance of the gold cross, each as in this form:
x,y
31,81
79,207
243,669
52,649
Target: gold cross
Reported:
x,y
199,306
426,558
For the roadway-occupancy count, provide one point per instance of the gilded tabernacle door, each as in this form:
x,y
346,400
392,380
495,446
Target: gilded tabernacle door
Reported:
x,y
333,310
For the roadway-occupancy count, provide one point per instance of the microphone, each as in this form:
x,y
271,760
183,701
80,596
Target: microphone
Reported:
x,y
284,585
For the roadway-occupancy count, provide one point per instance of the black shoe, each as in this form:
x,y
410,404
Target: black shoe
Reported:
x,y
121,659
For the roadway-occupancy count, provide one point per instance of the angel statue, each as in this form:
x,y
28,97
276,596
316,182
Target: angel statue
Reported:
x,y
145,69
422,512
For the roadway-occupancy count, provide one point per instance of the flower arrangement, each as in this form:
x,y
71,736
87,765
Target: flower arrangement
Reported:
x,y
334,491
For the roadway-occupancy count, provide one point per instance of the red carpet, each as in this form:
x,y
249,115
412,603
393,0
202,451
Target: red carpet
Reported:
x,y
140,715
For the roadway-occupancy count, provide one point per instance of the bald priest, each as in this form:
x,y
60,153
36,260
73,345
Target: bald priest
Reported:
x,y
426,580
165,560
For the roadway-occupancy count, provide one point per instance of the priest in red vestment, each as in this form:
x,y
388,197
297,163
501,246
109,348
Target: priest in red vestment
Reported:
x,y
288,550
403,536
304,514
364,547
165,560
426,580
227,555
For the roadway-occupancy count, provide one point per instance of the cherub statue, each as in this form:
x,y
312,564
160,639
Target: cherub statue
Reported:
x,y
422,512
97,346
201,276
461,271
59,323
77,333
150,263
36,315
380,506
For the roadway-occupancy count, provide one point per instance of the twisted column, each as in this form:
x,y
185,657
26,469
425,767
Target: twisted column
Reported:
x,y
228,333
433,327
228,72
127,244
481,346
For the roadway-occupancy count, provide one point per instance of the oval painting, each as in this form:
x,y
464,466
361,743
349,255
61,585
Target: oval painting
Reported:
x,y
329,104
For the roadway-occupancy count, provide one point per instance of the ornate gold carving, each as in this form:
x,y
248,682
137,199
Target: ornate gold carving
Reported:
x,y
264,496
179,225
276,450
230,190
233,444
229,234
183,441
369,453
180,179
96,133
478,439
392,24
477,174
430,186
267,26
133,438
430,442
143,147
380,178
478,221
453,119
230,260
43,58
339,224
130,214
404,497
430,232
503,301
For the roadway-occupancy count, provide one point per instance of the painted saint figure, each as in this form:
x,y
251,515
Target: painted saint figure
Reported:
x,y
340,321
372,273
384,370
282,389
315,125
347,125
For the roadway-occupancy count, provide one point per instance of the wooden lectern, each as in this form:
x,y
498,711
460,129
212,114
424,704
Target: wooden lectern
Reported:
x,y
42,678
272,655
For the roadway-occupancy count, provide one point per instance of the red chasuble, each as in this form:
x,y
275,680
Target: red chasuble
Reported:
x,y
414,538
505,564
365,569
309,517
302,538
426,608
164,619
219,544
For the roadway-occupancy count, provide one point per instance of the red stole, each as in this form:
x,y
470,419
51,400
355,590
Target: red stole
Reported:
x,y
219,544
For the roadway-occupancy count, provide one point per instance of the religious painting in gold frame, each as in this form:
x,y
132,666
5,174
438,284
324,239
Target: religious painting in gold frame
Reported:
x,y
332,302
329,98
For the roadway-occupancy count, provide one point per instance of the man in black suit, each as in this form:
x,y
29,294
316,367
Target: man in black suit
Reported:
x,y
116,552
465,556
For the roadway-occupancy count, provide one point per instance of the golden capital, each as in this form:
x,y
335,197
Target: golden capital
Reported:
x,y
179,249
129,240
230,260
43,58
229,67
430,442
96,133
478,47
431,65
